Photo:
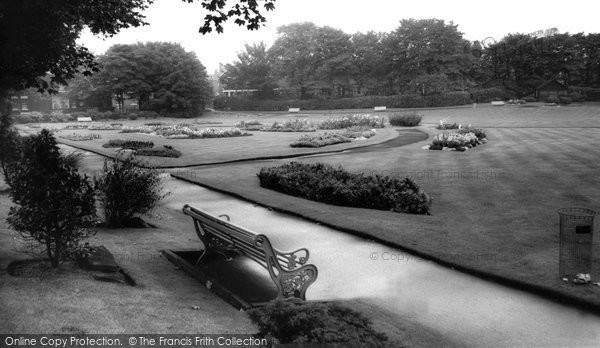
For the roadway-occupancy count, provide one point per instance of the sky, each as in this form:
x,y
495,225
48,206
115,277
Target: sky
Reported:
x,y
176,21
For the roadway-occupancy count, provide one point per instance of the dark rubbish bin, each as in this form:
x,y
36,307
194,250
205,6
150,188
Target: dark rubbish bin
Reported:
x,y
576,233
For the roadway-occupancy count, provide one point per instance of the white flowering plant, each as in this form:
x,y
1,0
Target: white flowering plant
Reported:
x,y
347,121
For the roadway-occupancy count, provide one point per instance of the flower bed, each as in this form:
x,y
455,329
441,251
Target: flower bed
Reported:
x,y
320,140
80,137
249,125
181,131
76,126
405,120
324,183
105,126
363,120
128,144
359,132
462,139
324,139
446,125
291,126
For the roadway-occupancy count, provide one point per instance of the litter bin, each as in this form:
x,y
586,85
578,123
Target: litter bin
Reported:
x,y
576,233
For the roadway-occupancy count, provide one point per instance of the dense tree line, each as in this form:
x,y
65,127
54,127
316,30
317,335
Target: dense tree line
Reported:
x,y
424,57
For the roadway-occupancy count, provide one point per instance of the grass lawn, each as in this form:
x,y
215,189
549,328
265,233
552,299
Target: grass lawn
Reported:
x,y
502,221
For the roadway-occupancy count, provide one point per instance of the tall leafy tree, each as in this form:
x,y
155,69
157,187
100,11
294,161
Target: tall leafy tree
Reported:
x,y
418,48
369,61
39,37
162,76
307,57
252,70
246,13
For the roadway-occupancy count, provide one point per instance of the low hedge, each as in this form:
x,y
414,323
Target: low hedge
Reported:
x,y
294,322
584,93
324,183
394,101
486,95
405,120
164,151
129,144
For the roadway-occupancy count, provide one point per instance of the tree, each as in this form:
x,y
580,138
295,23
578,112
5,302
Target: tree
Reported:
x,y
39,37
245,12
428,47
369,61
307,57
162,76
9,146
252,70
126,189
55,205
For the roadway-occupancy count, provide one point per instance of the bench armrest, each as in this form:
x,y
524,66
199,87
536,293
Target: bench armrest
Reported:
x,y
295,257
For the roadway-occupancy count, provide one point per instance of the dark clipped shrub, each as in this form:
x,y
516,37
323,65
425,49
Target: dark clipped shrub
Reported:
x,y
293,322
393,101
530,99
163,151
128,144
405,120
552,99
148,114
324,183
132,116
486,95
577,96
584,93
565,100
126,190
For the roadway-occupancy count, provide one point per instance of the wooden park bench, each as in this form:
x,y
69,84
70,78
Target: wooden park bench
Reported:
x,y
294,110
379,108
84,119
288,270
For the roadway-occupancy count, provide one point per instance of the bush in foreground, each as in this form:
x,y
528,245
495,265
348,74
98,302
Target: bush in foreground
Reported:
x,y
126,190
315,323
324,183
55,206
405,120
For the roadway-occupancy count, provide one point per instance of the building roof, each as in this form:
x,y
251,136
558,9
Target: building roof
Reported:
x,y
551,85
